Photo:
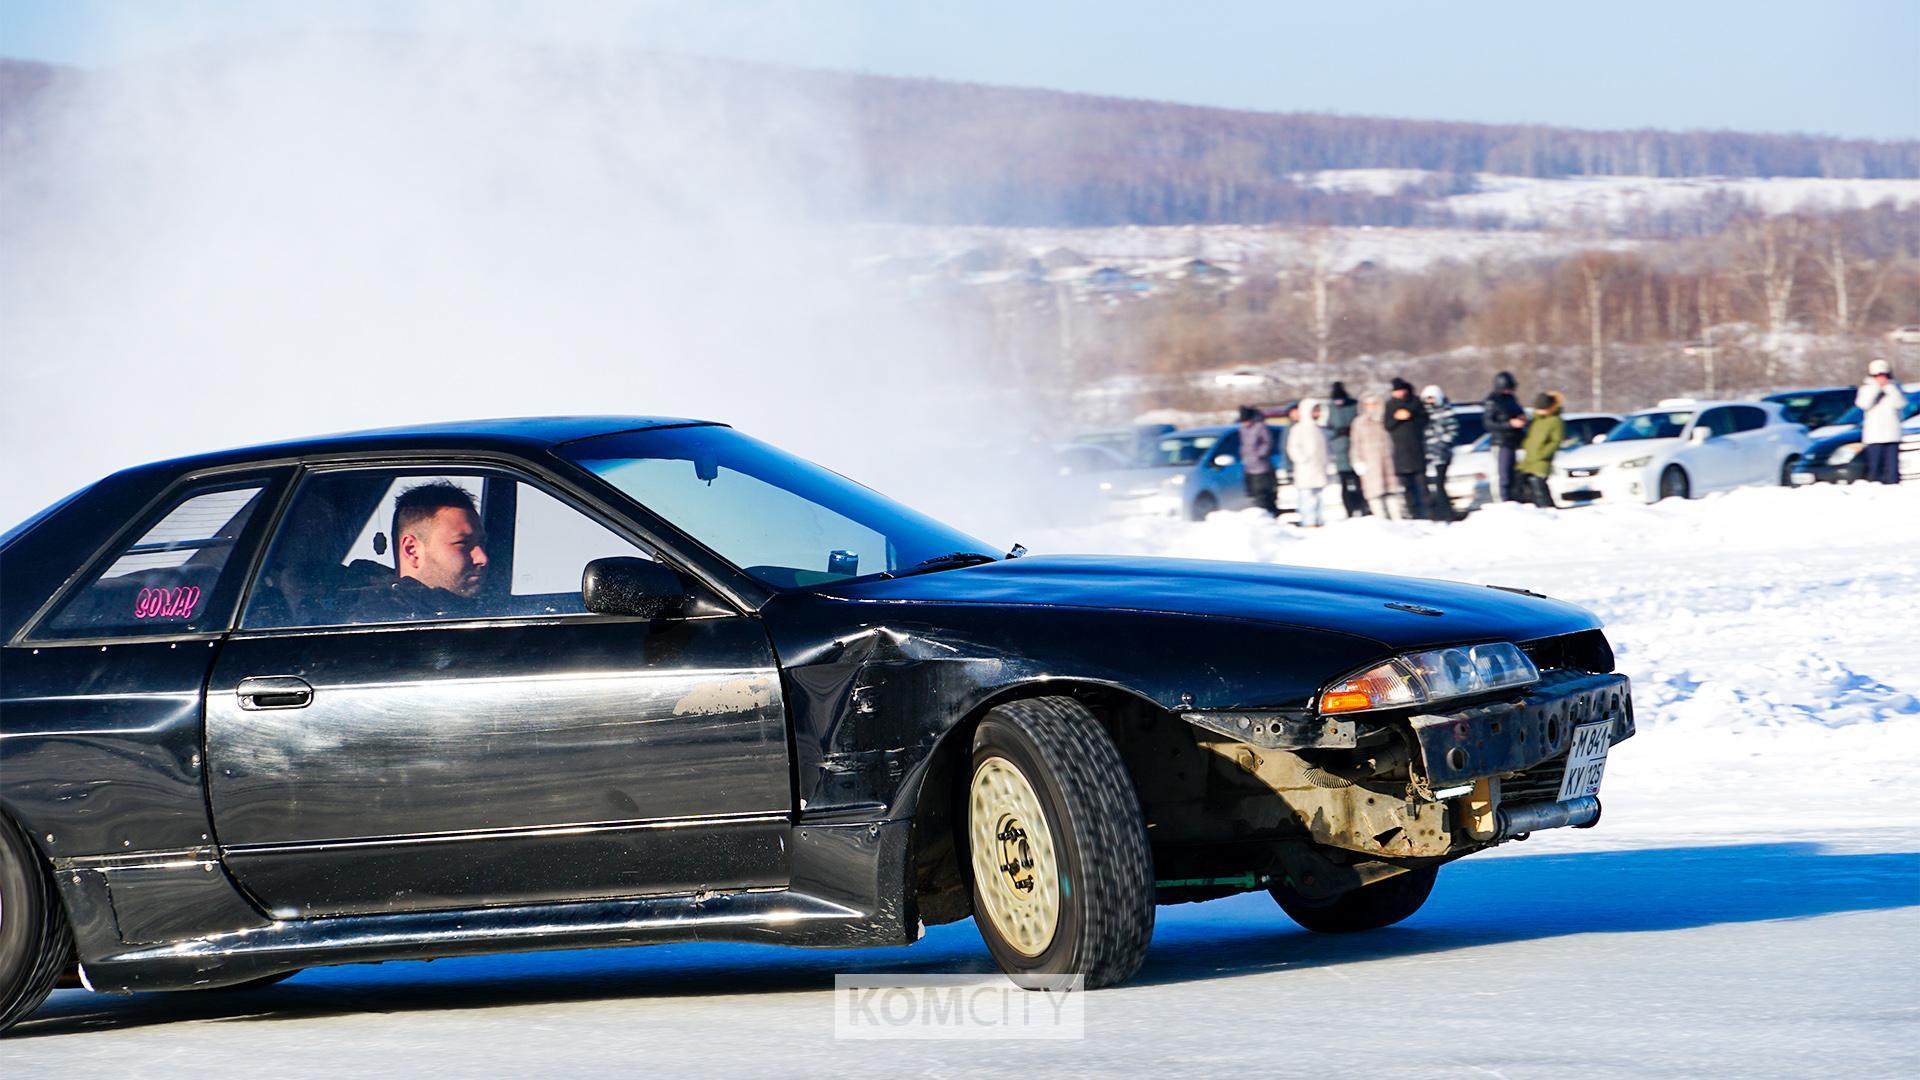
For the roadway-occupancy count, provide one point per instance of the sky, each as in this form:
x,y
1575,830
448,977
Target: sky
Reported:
x,y
1840,67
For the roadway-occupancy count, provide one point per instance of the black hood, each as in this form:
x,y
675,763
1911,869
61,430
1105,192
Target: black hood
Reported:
x,y
1343,601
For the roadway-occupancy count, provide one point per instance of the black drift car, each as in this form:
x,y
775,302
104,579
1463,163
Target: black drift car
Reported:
x,y
530,684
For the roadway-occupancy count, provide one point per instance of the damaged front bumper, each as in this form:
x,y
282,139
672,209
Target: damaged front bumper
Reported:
x,y
1505,766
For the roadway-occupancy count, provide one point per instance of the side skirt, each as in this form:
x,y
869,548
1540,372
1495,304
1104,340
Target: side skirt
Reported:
x,y
848,890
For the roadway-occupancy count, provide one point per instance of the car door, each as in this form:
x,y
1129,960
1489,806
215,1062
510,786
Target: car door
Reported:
x,y
1226,481
504,748
1760,445
1712,464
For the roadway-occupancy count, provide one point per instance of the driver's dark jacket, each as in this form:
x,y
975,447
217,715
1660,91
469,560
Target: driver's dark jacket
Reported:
x,y
410,598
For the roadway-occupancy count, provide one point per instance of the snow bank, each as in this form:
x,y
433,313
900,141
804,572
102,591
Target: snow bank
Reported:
x,y
1772,635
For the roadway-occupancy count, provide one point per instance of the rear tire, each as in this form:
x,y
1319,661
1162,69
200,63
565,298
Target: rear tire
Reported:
x,y
1062,874
1674,483
34,944
1368,907
1786,470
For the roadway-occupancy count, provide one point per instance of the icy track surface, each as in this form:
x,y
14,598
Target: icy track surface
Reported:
x,y
1749,905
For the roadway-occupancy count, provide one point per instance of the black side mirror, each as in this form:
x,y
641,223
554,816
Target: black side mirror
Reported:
x,y
629,586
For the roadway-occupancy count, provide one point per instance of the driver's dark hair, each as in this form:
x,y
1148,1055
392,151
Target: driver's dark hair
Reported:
x,y
417,504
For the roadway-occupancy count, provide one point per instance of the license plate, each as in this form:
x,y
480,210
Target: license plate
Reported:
x,y
1801,477
1585,761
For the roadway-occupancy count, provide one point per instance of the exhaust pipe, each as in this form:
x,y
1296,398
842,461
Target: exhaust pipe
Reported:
x,y
1517,821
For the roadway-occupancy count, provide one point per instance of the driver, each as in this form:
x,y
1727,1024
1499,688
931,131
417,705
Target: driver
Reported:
x,y
440,547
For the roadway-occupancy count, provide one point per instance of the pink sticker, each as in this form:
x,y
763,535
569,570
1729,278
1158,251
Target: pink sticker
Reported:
x,y
167,603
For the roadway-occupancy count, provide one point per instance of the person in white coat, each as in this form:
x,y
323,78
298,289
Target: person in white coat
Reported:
x,y
1311,459
1881,403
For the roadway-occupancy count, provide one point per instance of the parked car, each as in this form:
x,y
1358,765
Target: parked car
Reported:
x,y
1470,478
1681,449
570,682
1904,335
1815,409
1194,472
1837,457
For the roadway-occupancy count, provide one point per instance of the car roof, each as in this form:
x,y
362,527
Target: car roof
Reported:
x,y
1695,405
508,433
1810,390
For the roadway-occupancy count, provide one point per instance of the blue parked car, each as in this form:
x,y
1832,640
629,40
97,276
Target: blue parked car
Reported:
x,y
1195,471
1837,458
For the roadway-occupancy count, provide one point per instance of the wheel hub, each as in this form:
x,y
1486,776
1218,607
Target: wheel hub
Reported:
x,y
1015,869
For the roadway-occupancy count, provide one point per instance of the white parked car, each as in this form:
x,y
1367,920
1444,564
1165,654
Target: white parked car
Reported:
x,y
1470,477
1683,448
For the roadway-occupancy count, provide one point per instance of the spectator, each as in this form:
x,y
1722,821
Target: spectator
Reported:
x,y
1881,402
1256,459
1373,460
1443,430
1341,409
1407,426
1506,427
1544,436
1309,457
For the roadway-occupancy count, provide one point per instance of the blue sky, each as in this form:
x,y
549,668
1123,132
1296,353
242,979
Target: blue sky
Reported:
x,y
1845,67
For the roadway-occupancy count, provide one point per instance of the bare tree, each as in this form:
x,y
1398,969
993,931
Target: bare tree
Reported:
x,y
1594,269
1855,281
1769,260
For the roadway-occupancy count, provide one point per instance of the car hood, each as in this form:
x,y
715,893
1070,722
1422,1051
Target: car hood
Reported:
x,y
1340,601
1610,453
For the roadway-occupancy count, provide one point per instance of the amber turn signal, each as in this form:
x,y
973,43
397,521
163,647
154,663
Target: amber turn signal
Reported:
x,y
1345,701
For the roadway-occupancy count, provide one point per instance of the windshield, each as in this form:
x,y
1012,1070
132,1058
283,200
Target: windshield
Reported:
x,y
1179,450
1853,417
1816,408
787,522
1650,425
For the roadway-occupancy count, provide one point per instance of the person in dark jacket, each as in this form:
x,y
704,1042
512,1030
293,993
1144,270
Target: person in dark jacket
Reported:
x,y
1443,430
1506,427
1256,460
1340,410
1407,427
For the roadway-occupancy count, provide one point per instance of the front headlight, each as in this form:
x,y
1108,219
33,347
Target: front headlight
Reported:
x,y
1176,479
1637,463
1426,677
1844,454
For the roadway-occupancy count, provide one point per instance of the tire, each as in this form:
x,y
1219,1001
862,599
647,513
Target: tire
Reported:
x,y
1204,504
1049,804
1674,484
1368,907
34,944
1786,470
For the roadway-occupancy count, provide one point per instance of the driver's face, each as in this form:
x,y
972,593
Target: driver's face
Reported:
x,y
447,552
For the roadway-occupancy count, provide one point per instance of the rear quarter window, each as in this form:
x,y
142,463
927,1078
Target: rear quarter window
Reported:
x,y
166,580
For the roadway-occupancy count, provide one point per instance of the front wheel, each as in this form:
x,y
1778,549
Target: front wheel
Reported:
x,y
1368,907
1062,874
1674,485
1204,504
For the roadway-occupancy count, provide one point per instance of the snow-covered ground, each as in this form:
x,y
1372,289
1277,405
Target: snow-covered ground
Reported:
x,y
1748,906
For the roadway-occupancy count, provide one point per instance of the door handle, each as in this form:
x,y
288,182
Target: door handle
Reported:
x,y
274,692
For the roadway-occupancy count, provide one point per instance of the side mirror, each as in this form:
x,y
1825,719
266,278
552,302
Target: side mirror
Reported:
x,y
1221,461
1699,435
625,585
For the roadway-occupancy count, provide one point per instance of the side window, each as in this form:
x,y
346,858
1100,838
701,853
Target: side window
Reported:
x,y
1718,421
1748,418
385,546
165,581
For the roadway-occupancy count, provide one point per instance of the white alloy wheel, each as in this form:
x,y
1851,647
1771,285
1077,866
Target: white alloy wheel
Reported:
x,y
1015,866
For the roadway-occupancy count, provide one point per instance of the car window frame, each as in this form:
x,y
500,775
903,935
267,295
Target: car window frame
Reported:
x,y
277,479
430,464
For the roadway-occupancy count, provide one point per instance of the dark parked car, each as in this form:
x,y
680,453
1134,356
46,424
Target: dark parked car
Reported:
x,y
1838,457
547,683
1814,409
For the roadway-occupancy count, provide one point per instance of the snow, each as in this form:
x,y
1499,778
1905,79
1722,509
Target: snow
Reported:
x,y
1746,906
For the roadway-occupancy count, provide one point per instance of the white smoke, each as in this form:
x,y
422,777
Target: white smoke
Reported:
x,y
317,232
